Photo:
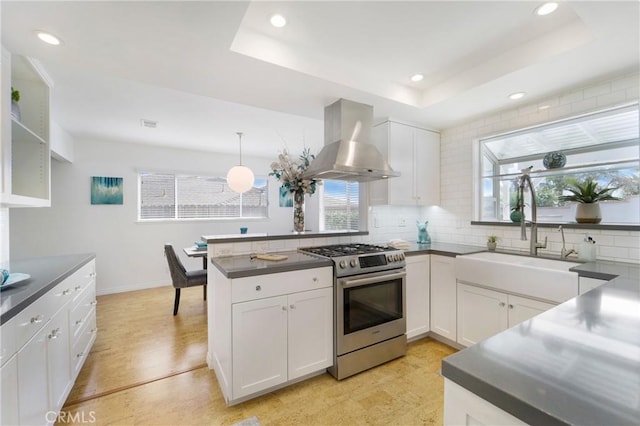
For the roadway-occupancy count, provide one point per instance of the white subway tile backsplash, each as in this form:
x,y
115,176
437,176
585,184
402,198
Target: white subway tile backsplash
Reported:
x,y
451,223
616,97
597,90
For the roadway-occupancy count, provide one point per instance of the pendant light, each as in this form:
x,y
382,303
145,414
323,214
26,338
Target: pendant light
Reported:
x,y
240,178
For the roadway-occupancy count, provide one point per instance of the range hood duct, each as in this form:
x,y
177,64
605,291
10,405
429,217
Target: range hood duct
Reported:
x,y
348,153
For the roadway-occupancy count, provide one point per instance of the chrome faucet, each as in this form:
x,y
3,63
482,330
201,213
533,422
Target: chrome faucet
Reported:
x,y
534,245
564,253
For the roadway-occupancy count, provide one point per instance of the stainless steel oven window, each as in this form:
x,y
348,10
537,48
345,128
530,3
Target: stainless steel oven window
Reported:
x,y
371,305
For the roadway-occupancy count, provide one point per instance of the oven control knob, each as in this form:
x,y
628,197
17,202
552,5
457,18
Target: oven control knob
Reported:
x,y
401,256
389,258
396,257
342,264
353,263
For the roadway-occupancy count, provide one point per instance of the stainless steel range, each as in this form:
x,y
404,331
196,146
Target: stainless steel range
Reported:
x,y
369,313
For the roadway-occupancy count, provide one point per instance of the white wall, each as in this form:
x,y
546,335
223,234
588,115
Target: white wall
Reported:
x,y
129,254
450,221
4,235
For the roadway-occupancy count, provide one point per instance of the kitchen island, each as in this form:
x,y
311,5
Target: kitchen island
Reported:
x,y
574,364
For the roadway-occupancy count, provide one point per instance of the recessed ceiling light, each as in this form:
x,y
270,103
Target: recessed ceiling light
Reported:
x,y
417,77
48,38
517,95
152,124
278,20
546,8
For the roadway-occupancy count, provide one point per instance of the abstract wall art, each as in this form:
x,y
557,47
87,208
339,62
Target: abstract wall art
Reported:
x,y
106,190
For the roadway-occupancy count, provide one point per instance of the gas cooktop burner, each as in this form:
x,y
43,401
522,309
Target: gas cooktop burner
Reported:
x,y
345,250
354,259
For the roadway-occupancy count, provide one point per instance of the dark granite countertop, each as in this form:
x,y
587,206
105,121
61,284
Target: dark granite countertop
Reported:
x,y
46,273
575,364
243,266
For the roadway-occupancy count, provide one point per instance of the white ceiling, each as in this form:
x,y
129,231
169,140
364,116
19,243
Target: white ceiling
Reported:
x,y
207,69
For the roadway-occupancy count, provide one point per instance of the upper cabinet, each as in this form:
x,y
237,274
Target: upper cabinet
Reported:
x,y
25,153
415,153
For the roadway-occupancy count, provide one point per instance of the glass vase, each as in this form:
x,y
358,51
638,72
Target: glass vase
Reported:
x,y
298,211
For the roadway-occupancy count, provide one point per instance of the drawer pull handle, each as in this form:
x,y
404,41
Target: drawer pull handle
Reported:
x,y
79,322
510,306
284,308
65,292
502,304
93,330
315,279
95,302
37,319
258,288
80,355
292,306
78,287
54,333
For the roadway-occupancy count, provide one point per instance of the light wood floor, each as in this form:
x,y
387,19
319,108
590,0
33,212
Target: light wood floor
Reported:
x,y
148,367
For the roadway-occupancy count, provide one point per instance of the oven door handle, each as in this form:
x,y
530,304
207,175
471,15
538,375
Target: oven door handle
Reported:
x,y
347,283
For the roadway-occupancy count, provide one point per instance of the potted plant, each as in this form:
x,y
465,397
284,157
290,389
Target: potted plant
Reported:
x,y
492,242
15,108
587,195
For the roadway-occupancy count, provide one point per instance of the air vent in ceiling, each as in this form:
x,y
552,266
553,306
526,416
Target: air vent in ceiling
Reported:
x,y
148,123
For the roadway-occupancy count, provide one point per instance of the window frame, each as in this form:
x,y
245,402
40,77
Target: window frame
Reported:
x,y
478,168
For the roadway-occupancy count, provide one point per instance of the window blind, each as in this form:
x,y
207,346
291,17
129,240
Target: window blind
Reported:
x,y
340,205
172,196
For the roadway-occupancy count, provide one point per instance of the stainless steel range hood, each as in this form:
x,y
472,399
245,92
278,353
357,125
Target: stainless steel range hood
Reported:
x,y
348,153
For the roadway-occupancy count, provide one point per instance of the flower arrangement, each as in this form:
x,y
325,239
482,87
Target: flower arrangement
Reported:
x,y
289,172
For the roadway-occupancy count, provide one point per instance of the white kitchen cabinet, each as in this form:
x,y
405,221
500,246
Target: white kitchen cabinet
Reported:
x,y
310,331
415,153
33,397
443,296
269,329
259,345
26,160
585,284
417,295
9,392
483,313
38,367
462,407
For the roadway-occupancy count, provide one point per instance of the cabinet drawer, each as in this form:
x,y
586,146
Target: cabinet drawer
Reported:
x,y
83,278
28,322
60,295
269,285
80,312
82,346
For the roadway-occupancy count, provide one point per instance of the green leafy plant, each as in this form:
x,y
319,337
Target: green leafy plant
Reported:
x,y
492,239
15,95
587,192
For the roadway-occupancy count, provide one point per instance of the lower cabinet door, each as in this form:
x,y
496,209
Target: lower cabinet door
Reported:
x,y
417,312
60,381
9,394
481,314
310,331
522,309
259,345
33,400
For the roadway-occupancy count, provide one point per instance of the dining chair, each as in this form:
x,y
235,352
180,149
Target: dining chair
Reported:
x,y
181,277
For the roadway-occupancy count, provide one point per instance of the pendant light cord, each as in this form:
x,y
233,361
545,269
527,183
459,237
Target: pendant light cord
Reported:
x,y
240,137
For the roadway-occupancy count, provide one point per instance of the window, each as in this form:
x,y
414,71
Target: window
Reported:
x,y
603,146
173,196
339,206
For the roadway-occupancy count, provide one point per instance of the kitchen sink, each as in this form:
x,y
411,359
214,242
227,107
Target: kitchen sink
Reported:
x,y
545,279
